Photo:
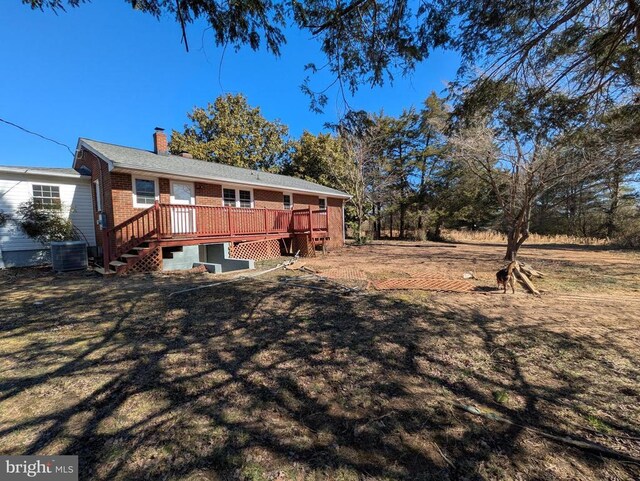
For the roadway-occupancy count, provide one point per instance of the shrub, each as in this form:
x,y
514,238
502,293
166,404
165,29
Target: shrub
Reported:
x,y
44,223
4,218
629,238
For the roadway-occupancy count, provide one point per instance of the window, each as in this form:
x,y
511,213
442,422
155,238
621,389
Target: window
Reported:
x,y
46,195
237,198
322,203
96,191
144,192
288,202
229,197
245,198
182,192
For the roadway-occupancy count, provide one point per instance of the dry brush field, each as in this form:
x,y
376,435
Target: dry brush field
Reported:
x,y
288,377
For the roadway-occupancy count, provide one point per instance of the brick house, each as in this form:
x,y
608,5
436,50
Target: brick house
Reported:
x,y
151,208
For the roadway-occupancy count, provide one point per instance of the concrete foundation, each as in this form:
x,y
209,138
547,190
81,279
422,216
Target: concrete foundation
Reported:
x,y
219,254
36,257
180,259
213,256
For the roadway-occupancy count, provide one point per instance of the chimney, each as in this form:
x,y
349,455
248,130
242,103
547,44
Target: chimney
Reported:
x,y
160,142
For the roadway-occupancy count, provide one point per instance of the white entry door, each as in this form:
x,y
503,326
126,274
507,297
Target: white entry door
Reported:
x,y
183,219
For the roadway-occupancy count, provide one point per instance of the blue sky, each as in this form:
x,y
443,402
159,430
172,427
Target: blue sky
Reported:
x,y
107,72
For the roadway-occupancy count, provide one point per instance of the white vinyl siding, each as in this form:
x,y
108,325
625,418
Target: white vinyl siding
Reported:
x,y
75,196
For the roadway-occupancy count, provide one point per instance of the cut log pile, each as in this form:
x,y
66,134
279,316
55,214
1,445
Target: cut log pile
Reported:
x,y
524,272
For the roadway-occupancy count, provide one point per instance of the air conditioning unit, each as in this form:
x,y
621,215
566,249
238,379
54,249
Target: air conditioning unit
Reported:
x,y
69,256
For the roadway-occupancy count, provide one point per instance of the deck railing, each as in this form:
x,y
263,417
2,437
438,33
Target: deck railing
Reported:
x,y
169,221
206,221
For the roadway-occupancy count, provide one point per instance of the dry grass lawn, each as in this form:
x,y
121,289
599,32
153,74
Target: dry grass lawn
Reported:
x,y
269,379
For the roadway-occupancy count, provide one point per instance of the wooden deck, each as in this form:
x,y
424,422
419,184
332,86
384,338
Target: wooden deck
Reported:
x,y
179,225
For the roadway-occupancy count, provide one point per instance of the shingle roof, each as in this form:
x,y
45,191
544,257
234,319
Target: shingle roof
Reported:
x,y
55,171
144,160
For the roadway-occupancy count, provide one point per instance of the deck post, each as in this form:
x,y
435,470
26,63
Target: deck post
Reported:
x,y
266,229
156,219
230,219
311,223
106,250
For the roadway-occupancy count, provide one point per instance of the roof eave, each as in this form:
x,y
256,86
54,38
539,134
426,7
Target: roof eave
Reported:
x,y
97,153
118,167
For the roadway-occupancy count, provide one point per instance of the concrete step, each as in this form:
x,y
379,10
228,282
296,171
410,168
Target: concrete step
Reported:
x,y
117,264
100,270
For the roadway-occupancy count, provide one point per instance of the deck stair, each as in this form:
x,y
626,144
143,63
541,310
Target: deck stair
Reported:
x,y
126,260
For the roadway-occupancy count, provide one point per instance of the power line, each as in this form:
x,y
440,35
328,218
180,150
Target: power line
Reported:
x,y
37,135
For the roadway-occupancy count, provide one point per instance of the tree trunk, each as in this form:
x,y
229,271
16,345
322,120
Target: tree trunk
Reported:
x,y
512,246
518,232
436,233
612,212
403,209
375,222
378,222
515,239
390,226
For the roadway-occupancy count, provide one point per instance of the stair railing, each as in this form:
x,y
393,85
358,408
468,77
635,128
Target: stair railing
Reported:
x,y
123,237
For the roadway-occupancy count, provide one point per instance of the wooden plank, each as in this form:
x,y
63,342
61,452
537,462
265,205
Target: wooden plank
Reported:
x,y
529,271
526,281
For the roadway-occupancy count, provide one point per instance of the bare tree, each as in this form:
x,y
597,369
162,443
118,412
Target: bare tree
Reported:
x,y
350,176
519,172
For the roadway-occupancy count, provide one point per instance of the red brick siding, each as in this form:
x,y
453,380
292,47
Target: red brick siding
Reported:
x,y
268,199
208,194
100,171
303,201
121,192
334,211
164,186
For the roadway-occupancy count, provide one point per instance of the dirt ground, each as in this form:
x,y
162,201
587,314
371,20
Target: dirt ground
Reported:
x,y
290,377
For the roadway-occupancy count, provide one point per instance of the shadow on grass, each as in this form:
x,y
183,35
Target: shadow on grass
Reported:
x,y
256,379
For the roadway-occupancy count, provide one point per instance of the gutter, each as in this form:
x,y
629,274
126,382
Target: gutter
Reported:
x,y
29,171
